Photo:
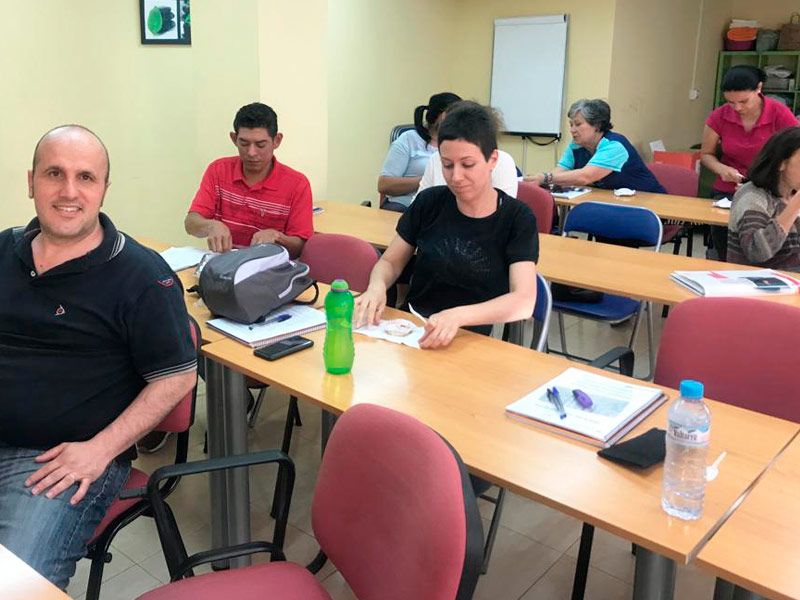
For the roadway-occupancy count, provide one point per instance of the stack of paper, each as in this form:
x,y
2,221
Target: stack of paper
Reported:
x,y
183,258
737,283
301,319
616,407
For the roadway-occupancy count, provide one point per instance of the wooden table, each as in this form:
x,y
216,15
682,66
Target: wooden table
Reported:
x,y
666,206
758,547
18,581
461,392
639,274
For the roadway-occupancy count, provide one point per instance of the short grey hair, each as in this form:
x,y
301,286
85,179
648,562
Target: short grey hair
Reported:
x,y
596,112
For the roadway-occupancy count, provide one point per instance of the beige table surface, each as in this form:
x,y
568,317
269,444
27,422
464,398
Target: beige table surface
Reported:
x,y
666,206
461,392
639,274
758,548
18,581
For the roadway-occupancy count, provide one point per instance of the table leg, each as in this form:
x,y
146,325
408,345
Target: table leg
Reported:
x,y
216,449
655,576
235,443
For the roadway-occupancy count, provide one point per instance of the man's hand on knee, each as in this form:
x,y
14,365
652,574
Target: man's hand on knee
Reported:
x,y
65,465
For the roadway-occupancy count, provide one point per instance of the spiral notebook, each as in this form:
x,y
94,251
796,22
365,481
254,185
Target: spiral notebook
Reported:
x,y
301,319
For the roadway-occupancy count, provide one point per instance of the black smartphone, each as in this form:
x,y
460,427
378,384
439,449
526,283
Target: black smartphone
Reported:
x,y
283,348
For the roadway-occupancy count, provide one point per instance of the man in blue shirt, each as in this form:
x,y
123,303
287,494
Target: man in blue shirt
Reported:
x,y
95,350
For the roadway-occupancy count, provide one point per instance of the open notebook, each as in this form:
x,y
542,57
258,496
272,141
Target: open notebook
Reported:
x,y
616,407
301,319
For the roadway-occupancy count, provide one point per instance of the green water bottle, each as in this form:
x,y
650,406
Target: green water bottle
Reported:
x,y
339,350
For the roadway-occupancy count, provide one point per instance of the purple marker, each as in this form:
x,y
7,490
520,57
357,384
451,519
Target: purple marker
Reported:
x,y
582,398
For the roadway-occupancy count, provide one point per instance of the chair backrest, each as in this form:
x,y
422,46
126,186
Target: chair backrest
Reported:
x,y
616,222
540,201
337,256
398,130
739,348
394,509
677,180
181,417
541,312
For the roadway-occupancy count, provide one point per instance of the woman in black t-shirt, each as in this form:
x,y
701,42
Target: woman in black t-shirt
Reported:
x,y
476,246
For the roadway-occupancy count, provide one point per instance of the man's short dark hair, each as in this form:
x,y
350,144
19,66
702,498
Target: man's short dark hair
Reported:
x,y
71,126
256,116
742,78
473,123
765,172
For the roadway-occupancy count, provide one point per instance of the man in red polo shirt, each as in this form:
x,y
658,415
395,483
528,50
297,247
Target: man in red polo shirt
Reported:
x,y
252,198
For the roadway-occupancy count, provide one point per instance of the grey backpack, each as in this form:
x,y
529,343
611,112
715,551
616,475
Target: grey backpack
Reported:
x,y
248,284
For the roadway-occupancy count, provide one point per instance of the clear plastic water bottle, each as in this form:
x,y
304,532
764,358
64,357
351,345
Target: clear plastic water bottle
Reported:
x,y
688,434
339,350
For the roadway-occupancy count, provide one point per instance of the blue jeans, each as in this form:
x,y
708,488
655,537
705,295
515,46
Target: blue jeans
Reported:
x,y
50,534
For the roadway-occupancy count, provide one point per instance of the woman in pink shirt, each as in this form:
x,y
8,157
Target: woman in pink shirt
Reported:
x,y
737,130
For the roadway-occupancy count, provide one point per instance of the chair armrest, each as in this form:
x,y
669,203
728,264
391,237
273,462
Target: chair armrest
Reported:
x,y
623,354
172,544
209,556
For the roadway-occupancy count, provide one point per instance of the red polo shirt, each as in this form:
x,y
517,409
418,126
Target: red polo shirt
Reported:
x,y
739,147
281,201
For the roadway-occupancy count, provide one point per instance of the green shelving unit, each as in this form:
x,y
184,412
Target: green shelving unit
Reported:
x,y
788,58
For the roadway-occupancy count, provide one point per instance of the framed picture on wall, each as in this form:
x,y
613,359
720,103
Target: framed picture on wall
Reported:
x,y
165,22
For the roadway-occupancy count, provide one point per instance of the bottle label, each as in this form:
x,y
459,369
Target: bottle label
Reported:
x,y
689,436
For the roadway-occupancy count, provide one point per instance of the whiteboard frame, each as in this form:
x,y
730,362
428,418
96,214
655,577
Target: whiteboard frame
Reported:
x,y
539,19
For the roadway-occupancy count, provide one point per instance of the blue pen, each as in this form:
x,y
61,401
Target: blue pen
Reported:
x,y
555,399
279,319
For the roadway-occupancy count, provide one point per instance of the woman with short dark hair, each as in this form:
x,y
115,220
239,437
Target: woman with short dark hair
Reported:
x,y
598,156
764,229
476,247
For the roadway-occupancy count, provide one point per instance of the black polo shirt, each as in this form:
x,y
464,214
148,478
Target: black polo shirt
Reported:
x,y
79,342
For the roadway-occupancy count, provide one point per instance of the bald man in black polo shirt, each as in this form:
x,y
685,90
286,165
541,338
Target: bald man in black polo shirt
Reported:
x,y
95,350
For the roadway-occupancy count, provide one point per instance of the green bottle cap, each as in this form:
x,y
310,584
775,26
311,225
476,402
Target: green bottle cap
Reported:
x,y
339,285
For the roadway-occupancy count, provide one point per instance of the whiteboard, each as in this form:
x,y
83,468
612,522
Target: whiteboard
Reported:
x,y
528,66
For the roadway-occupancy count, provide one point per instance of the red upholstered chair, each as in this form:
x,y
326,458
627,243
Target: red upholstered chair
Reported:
x,y
678,181
336,256
131,504
393,509
540,201
737,348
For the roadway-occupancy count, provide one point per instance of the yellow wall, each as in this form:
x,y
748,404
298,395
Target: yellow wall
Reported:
x,y
384,59
588,55
769,13
164,112
653,65
293,66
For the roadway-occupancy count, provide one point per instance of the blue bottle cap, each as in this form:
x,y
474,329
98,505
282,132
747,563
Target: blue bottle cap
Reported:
x,y
693,390
339,285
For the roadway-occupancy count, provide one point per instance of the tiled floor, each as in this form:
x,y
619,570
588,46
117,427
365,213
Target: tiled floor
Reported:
x,y
534,556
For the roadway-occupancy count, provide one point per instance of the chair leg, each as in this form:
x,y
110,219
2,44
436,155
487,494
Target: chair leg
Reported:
x,y
292,416
493,527
562,334
582,568
689,241
96,575
253,416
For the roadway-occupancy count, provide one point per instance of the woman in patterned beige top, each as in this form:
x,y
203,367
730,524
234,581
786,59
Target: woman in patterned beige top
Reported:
x,y
764,229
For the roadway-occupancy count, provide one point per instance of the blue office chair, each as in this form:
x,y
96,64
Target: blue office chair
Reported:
x,y
398,130
516,333
615,224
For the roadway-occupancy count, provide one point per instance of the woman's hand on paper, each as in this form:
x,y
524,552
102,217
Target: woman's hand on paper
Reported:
x,y
369,307
440,329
